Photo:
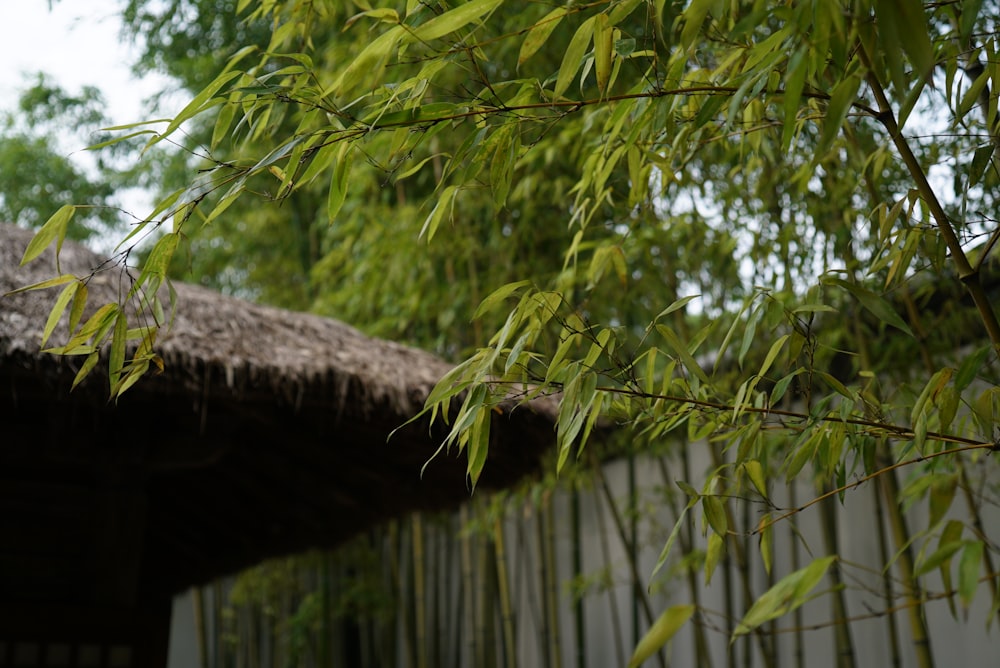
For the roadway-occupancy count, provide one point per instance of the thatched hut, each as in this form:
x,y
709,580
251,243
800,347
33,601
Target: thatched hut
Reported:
x,y
265,435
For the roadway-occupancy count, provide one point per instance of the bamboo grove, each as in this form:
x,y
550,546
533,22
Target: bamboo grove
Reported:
x,y
751,240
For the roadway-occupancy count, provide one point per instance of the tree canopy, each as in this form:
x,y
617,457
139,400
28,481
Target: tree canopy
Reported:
x,y
749,222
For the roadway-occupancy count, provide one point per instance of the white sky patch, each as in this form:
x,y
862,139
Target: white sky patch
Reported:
x,y
78,44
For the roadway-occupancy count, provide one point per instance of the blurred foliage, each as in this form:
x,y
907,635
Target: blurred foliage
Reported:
x,y
37,172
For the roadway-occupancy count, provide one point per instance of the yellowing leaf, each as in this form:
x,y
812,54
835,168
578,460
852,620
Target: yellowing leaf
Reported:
x,y
54,229
58,309
116,360
539,33
443,206
573,57
694,16
715,512
766,528
716,547
603,51
660,633
452,20
48,283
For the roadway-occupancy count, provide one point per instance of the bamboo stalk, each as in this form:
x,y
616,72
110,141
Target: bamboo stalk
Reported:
x,y
685,540
739,558
578,613
904,561
638,591
388,645
217,643
842,631
895,657
503,587
632,546
616,625
405,569
198,603
468,588
486,619
544,633
552,589
419,588
799,648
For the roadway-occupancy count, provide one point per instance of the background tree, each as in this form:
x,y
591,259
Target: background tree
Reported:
x,y
36,171
728,221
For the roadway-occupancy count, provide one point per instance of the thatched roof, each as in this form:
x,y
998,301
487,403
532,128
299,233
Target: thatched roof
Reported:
x,y
266,434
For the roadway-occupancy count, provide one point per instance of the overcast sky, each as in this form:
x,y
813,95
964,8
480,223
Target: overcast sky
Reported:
x,y
78,44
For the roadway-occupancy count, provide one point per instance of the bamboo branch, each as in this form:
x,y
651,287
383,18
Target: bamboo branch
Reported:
x,y
969,276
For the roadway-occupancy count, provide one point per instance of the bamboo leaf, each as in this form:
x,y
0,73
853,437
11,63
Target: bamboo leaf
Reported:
x,y
970,367
437,214
338,183
198,104
766,529
841,99
497,296
603,51
660,633
47,283
479,443
116,359
694,16
772,353
573,57
715,513
940,556
789,593
454,19
688,360
968,571
693,498
54,229
680,303
539,34
85,369
58,309
159,258
755,472
875,304
370,59
716,547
